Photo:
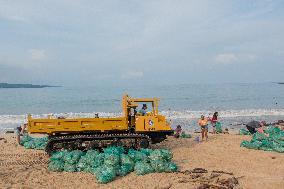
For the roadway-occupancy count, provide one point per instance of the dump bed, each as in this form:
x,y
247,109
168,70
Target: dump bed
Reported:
x,y
76,125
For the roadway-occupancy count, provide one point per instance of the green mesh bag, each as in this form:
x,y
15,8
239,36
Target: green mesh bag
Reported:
x,y
29,145
267,143
56,165
124,170
142,168
70,167
258,136
279,149
218,127
138,155
251,145
271,130
34,143
87,169
73,156
58,155
171,167
167,155
277,136
91,156
243,131
105,174
126,160
127,165
161,154
184,135
266,148
114,150
280,142
146,151
25,138
159,165
40,143
244,143
111,159
99,160
82,163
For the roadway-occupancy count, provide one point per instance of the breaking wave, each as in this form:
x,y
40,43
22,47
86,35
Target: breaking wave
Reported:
x,y
11,121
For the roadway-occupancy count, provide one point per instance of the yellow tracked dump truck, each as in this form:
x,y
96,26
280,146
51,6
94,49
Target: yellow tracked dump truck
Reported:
x,y
132,130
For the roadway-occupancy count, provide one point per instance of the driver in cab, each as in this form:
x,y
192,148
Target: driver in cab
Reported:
x,y
143,110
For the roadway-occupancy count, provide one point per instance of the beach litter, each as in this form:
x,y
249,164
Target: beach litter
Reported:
x,y
185,135
271,140
243,131
34,143
113,162
219,127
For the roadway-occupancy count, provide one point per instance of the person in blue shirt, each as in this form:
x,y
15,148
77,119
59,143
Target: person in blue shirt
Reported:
x,y
143,110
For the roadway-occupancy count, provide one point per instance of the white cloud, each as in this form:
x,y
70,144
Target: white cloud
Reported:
x,y
37,54
229,58
226,58
132,74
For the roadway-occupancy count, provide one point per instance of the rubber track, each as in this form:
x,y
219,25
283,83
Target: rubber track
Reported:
x,y
99,137
67,138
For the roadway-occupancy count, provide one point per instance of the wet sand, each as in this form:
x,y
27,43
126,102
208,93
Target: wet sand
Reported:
x,y
21,168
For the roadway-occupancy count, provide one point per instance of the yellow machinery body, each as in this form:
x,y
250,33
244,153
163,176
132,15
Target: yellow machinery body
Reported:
x,y
131,123
152,121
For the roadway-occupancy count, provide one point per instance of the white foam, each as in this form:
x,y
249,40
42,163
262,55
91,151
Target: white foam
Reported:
x,y
187,114
11,121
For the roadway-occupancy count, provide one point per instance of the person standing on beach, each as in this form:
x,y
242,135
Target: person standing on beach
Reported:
x,y
178,131
19,132
214,120
203,123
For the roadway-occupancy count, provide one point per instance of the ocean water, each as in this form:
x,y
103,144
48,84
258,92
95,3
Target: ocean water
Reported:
x,y
182,104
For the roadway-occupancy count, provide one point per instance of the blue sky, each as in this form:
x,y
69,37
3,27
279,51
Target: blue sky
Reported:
x,y
117,42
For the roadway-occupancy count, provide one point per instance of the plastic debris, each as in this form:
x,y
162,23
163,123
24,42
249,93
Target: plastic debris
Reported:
x,y
142,168
56,165
113,162
184,135
243,131
34,143
219,127
271,140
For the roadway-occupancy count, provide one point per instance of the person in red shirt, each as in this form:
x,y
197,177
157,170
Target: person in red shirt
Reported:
x,y
214,120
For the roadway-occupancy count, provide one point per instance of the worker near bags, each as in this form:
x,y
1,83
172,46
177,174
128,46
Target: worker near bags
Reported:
x,y
178,131
254,126
19,132
214,121
203,123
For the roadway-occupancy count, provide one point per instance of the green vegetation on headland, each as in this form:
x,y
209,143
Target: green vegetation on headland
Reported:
x,y
7,85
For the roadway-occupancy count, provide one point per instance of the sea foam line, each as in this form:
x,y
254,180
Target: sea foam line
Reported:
x,y
14,120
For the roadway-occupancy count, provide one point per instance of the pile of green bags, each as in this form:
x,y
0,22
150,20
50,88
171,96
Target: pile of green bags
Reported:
x,y
272,140
113,162
34,143
243,131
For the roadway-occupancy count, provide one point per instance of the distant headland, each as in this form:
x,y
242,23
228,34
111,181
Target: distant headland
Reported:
x,y
8,85
282,83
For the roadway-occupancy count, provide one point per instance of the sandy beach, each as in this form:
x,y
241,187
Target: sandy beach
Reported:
x,y
220,157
